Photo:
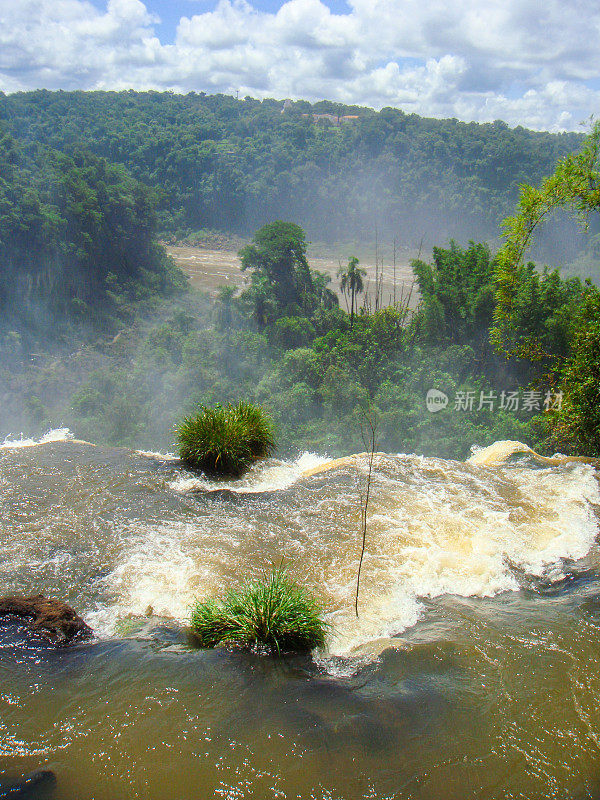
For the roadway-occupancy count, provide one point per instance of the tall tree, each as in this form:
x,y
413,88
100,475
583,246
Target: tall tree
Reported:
x,y
278,252
575,186
351,282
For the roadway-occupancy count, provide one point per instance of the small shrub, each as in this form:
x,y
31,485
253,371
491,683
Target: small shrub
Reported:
x,y
274,612
226,440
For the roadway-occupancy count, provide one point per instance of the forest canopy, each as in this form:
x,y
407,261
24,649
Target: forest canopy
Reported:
x,y
89,181
219,163
77,240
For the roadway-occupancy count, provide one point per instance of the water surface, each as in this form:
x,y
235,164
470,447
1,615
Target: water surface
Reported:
x,y
472,672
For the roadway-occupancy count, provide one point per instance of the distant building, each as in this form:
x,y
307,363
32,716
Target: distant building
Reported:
x,y
334,119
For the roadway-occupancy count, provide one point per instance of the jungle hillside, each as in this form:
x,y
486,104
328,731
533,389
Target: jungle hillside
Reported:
x,y
100,332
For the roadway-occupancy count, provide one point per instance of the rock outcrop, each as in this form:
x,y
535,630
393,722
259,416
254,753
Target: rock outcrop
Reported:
x,y
38,784
53,618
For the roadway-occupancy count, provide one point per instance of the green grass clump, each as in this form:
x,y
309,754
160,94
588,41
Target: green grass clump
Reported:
x,y
275,612
226,440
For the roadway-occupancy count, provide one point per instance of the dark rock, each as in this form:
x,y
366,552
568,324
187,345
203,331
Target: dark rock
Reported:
x,y
53,618
36,784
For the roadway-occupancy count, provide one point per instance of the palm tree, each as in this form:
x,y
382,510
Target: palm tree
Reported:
x,y
352,282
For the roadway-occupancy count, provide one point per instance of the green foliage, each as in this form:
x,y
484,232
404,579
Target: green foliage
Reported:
x,y
312,372
292,332
340,392
457,293
351,282
217,163
574,185
225,307
76,242
88,179
282,281
576,425
554,323
274,612
226,440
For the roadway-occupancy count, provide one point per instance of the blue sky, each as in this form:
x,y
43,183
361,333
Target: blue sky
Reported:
x,y
527,62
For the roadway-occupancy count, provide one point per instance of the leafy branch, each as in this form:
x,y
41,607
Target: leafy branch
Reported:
x,y
574,185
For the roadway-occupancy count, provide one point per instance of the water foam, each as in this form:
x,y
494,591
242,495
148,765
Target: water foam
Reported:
x,y
434,527
266,476
157,455
55,435
156,574
462,532
500,452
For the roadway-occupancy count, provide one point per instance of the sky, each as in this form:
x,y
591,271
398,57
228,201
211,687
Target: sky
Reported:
x,y
529,62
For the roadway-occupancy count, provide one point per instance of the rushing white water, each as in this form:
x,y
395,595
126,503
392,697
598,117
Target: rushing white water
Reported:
x,y
435,527
265,476
477,686
55,435
157,455
501,452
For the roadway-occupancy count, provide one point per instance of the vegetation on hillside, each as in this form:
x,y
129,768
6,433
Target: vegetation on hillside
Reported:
x,y
574,360
96,332
315,374
282,285
77,246
230,165
574,185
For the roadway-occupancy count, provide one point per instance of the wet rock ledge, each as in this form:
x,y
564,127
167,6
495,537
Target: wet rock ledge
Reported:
x,y
56,620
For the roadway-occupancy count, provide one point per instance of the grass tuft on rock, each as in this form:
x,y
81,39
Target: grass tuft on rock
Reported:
x,y
226,440
275,612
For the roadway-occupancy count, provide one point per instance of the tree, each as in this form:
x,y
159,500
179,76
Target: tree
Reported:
x,y
278,252
293,332
224,308
574,327
351,282
457,293
327,298
220,164
575,186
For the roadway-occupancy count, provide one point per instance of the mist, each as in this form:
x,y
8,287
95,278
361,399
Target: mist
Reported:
x,y
99,333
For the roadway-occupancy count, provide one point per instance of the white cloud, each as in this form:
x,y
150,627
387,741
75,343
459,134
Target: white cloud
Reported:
x,y
69,44
521,60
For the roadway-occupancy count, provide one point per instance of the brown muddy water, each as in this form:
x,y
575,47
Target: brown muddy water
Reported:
x,y
472,672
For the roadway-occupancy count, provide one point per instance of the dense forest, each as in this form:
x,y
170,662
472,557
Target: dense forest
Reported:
x,y
227,164
286,344
77,242
99,331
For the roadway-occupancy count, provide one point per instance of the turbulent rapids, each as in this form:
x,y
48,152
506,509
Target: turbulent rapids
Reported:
x,y
134,531
468,566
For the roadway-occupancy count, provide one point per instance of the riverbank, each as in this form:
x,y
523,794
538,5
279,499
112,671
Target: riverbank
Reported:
x,y
209,268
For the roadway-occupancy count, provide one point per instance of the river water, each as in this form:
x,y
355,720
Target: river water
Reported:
x,y
473,670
